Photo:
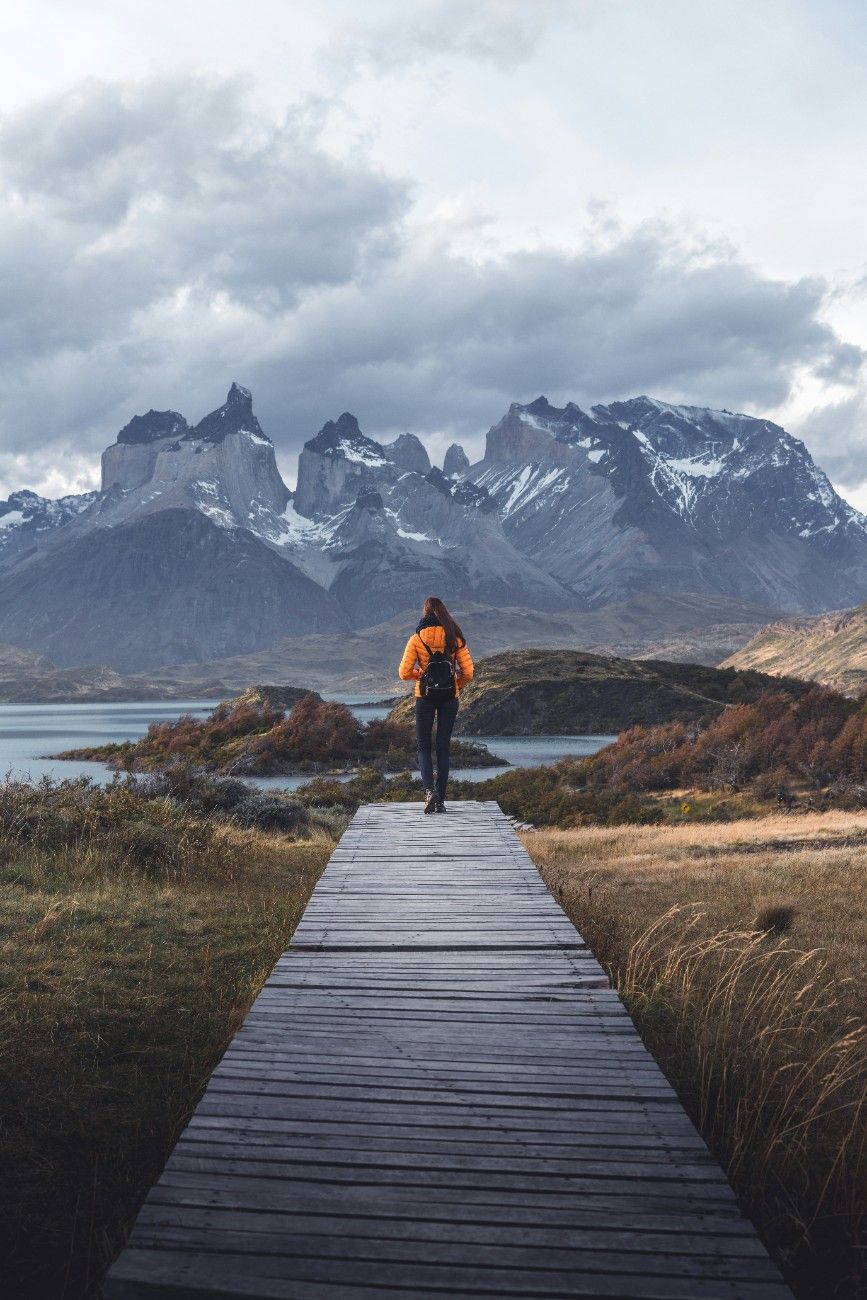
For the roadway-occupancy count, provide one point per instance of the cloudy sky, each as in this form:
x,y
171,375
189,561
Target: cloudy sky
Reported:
x,y
421,210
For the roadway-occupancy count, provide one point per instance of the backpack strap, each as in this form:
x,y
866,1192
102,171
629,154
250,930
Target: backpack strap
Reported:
x,y
445,650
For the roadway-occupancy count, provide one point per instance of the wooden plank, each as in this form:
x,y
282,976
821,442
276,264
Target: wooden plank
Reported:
x,y
436,1093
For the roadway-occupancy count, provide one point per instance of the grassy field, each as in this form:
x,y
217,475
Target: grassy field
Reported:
x,y
134,937
740,949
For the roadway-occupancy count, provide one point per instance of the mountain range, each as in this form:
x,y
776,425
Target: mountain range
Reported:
x,y
195,550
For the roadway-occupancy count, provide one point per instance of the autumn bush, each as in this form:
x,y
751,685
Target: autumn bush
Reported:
x,y
815,740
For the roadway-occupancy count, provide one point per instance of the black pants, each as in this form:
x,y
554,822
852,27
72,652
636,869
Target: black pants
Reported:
x,y
445,714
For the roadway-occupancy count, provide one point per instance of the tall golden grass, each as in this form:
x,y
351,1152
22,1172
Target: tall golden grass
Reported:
x,y
739,951
133,936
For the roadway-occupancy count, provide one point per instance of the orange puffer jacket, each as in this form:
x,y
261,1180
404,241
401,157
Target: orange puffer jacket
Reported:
x,y
415,659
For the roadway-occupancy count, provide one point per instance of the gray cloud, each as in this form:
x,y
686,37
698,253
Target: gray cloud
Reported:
x,y
502,32
120,197
162,239
838,432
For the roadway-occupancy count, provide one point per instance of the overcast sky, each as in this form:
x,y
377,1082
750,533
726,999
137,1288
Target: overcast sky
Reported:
x,y
422,210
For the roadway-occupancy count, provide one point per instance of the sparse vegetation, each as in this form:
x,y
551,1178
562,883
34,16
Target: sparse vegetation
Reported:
x,y
135,931
740,951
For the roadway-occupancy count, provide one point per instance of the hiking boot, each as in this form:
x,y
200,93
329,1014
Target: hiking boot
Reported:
x,y
441,806
430,801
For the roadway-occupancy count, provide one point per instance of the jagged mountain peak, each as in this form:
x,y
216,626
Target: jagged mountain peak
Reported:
x,y
645,494
26,518
455,462
234,416
409,453
343,437
152,426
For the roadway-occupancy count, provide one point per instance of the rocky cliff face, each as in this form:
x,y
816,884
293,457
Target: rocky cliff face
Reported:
x,y
338,465
456,462
224,467
195,549
408,453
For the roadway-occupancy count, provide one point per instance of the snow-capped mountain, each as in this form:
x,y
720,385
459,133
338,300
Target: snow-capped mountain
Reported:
x,y
374,532
645,495
26,518
194,547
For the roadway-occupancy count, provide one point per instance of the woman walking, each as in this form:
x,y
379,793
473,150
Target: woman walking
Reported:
x,y
437,657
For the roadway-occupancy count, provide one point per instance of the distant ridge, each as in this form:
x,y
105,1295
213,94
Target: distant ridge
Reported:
x,y
831,648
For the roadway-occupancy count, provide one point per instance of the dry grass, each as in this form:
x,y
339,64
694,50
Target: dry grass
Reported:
x,y
131,944
740,950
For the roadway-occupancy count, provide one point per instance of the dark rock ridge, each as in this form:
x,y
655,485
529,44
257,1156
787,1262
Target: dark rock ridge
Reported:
x,y
234,416
568,511
153,425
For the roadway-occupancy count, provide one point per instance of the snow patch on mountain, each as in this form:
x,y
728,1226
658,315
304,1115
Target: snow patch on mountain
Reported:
x,y
358,454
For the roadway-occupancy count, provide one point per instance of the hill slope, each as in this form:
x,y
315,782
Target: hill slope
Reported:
x,y
568,692
831,649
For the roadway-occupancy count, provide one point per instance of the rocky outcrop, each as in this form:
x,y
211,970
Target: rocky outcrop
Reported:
x,y
234,416
153,426
456,462
408,453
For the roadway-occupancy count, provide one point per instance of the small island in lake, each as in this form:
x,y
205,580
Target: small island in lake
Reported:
x,y
277,731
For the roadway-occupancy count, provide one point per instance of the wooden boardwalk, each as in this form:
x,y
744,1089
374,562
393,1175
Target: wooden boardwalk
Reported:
x,y
436,1094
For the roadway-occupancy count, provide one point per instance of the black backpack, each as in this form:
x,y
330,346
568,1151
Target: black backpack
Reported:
x,y
437,682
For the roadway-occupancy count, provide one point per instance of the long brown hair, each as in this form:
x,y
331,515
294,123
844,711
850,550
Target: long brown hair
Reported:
x,y
434,608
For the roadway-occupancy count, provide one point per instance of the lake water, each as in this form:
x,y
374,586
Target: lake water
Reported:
x,y
29,732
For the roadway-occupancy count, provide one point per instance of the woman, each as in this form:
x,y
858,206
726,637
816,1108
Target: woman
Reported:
x,y
436,637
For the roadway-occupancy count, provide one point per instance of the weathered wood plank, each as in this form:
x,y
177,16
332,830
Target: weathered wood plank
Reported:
x,y
436,1093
